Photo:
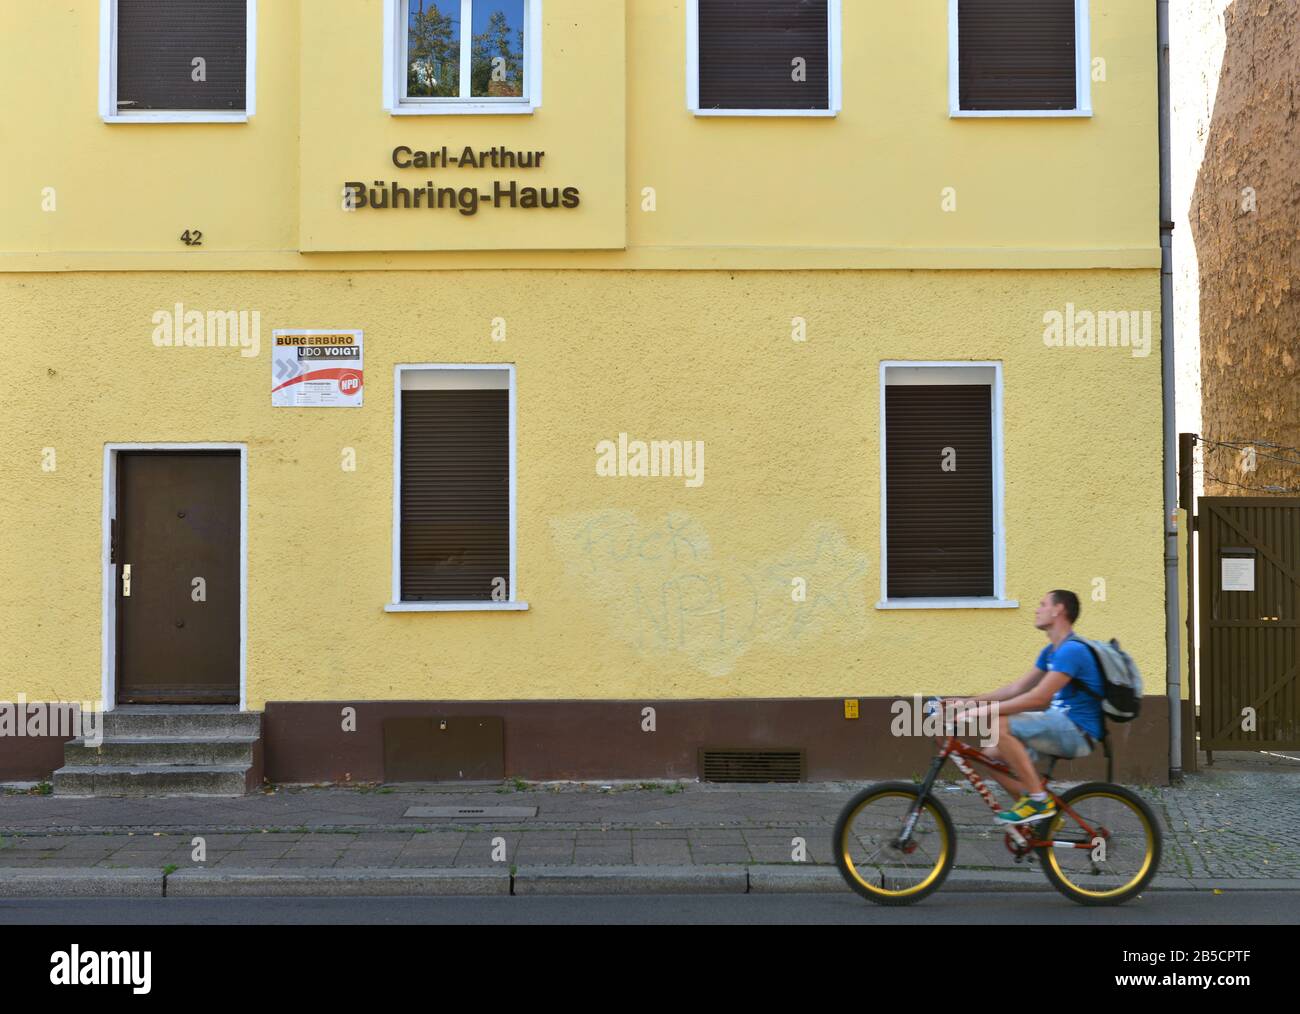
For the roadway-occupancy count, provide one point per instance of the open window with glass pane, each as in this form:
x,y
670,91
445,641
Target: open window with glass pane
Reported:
x,y
466,50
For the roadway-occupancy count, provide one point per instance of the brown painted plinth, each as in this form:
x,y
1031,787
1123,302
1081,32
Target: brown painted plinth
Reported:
x,y
305,741
30,758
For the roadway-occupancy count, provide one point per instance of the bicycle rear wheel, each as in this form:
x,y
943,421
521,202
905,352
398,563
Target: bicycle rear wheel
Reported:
x,y
868,854
1114,857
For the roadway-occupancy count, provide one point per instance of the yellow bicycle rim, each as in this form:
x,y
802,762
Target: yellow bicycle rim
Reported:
x,y
851,866
1146,861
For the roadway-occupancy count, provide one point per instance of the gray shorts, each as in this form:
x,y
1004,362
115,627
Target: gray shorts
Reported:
x,y
1051,732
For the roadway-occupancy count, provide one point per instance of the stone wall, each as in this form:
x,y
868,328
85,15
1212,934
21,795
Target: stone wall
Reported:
x,y
1245,222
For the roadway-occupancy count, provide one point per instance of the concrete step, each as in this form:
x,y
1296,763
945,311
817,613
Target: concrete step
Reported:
x,y
132,751
166,750
182,721
152,780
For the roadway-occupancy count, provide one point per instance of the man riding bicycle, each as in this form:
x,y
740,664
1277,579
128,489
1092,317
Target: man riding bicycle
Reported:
x,y
1045,710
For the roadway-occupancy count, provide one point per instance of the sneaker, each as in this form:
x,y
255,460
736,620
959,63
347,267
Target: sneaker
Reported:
x,y
1027,810
997,817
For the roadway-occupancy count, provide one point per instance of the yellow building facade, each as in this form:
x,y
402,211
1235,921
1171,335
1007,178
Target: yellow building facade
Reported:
x,y
692,279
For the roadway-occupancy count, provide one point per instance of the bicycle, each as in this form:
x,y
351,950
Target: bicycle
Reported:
x,y
1113,829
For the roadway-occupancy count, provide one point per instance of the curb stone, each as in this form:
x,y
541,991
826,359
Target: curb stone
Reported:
x,y
631,880
336,883
81,882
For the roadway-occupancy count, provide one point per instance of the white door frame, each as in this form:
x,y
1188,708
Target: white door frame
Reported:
x,y
108,639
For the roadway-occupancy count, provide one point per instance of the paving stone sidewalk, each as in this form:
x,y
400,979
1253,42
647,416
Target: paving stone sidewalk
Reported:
x,y
1232,821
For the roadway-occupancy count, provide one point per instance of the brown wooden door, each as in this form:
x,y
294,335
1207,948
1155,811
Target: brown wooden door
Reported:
x,y
178,621
1249,564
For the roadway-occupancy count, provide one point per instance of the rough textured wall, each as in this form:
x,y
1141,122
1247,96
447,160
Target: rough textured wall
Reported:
x,y
1246,222
638,587
868,184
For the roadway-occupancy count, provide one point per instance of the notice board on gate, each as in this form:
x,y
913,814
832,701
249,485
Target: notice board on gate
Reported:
x,y
316,369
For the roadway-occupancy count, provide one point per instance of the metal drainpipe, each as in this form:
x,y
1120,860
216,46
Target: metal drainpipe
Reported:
x,y
1174,681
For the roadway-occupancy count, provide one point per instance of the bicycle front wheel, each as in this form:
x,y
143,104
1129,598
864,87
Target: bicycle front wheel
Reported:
x,y
1107,853
870,856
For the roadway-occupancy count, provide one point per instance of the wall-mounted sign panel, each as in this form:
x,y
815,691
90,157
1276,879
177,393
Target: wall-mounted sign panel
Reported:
x,y
316,369
1238,574
416,179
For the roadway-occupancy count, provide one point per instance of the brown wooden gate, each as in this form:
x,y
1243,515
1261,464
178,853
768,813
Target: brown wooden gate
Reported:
x,y
1250,622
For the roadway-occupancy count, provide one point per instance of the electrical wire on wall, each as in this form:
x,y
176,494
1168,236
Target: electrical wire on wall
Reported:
x,y
1247,454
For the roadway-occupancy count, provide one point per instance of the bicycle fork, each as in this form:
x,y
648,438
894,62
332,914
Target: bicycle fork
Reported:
x,y
909,825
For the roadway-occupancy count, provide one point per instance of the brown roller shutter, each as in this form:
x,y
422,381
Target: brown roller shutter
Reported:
x,y
157,41
455,494
939,525
747,48
1017,54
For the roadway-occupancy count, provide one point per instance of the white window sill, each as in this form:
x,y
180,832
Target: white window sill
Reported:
x,y
958,114
764,112
455,607
953,603
161,116
465,109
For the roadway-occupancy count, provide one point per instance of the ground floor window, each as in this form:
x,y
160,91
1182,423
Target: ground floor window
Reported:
x,y
454,475
942,482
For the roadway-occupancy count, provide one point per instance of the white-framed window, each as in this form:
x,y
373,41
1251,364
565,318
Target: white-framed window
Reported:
x,y
454,488
462,56
1019,58
188,61
942,538
777,58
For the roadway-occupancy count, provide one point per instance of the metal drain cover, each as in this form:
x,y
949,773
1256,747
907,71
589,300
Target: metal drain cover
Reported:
x,y
473,812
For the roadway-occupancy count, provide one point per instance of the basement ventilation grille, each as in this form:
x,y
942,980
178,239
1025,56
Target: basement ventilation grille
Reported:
x,y
751,765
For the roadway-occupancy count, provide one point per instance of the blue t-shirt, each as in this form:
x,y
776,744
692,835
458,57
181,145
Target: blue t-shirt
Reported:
x,y
1074,659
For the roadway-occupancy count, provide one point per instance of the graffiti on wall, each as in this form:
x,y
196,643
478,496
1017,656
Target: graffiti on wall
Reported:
x,y
666,590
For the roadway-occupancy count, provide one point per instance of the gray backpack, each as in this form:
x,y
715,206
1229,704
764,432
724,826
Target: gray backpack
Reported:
x,y
1123,698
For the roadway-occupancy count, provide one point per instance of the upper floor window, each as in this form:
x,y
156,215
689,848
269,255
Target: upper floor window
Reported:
x,y
1019,58
458,56
763,57
170,60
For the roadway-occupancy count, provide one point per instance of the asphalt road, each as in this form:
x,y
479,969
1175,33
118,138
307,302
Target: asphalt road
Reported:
x,y
1163,908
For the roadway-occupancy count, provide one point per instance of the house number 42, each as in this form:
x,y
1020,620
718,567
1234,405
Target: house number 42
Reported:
x,y
192,237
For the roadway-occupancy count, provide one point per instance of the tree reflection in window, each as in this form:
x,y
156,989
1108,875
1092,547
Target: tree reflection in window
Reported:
x,y
433,49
